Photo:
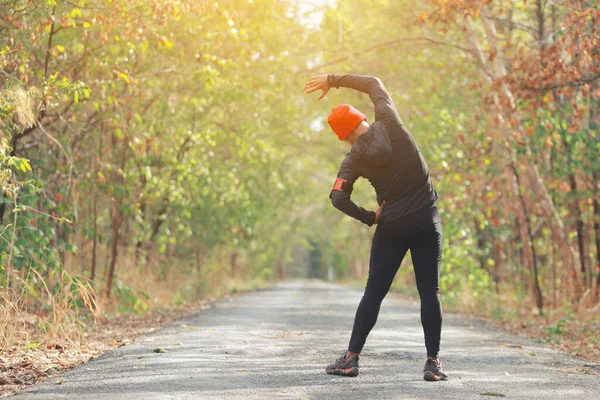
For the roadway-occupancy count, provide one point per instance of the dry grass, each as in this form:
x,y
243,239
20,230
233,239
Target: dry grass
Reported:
x,y
22,103
35,345
568,328
13,323
166,282
61,324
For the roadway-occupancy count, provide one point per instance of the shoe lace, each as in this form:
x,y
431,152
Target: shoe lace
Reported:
x,y
439,368
340,361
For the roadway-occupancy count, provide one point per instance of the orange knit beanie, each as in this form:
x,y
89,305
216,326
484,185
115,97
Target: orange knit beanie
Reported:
x,y
344,119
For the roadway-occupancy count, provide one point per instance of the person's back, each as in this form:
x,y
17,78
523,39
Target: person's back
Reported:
x,y
388,157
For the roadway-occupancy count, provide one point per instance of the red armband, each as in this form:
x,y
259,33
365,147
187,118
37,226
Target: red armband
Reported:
x,y
338,184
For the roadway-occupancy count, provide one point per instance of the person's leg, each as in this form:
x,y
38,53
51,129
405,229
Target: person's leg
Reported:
x,y
426,253
386,256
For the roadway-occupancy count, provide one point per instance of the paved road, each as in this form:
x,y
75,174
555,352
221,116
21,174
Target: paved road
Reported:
x,y
275,343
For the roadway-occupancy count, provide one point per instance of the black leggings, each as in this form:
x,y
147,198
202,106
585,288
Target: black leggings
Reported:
x,y
421,233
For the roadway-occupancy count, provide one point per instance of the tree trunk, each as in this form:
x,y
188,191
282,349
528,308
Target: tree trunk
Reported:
x,y
527,239
357,267
581,241
138,252
13,152
596,202
539,13
499,257
156,224
95,234
3,208
139,246
117,220
480,245
142,201
233,263
553,285
280,273
95,211
579,225
594,124
198,260
522,264
62,234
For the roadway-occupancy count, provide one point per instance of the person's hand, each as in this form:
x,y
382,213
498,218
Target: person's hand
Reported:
x,y
378,212
315,83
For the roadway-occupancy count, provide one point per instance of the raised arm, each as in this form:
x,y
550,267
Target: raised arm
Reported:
x,y
385,110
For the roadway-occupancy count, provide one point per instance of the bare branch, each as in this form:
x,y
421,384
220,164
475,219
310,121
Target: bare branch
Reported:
x,y
86,7
390,43
50,37
574,82
35,210
509,22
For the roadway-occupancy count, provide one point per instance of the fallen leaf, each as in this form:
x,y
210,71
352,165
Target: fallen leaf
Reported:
x,y
514,346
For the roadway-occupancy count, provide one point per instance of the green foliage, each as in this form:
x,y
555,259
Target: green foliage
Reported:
x,y
266,274
556,332
179,132
130,300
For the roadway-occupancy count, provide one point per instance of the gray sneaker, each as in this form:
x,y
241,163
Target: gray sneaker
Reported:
x,y
432,371
344,367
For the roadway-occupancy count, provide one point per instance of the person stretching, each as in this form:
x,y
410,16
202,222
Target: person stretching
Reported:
x,y
386,154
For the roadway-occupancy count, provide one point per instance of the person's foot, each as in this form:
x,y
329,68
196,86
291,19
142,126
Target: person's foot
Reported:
x,y
432,371
344,367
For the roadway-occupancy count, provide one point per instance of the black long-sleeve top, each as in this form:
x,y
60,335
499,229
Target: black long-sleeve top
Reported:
x,y
387,155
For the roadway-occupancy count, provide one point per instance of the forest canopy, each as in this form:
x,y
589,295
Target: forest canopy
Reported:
x,y
170,140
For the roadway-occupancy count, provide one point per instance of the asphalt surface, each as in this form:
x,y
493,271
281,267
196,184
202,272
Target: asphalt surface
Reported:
x,y
275,343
